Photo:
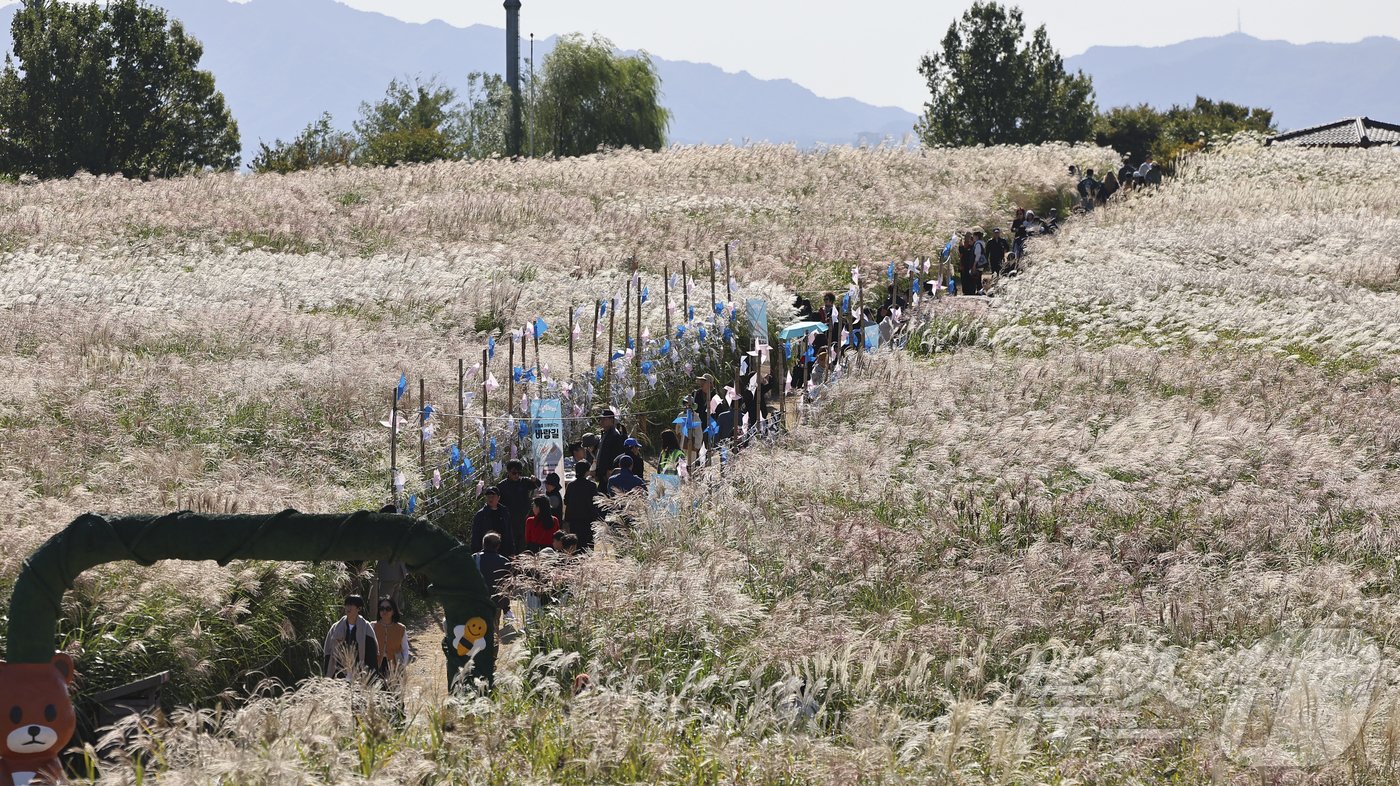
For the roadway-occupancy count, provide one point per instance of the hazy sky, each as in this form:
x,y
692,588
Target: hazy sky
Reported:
x,y
871,50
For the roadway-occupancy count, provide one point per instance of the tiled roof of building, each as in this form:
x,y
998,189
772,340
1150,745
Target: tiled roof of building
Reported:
x,y
1351,132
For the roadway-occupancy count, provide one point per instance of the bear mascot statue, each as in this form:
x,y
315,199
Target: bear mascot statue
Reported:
x,y
36,720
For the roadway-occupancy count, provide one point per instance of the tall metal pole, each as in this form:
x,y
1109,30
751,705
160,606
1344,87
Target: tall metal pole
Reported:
x,y
513,135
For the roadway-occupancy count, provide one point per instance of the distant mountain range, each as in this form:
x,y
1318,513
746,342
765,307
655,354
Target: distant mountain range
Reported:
x,y
1305,84
281,63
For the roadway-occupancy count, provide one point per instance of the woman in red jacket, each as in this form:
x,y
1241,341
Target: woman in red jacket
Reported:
x,y
541,525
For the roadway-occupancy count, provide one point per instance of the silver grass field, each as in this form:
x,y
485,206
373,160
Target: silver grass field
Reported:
x,y
1134,521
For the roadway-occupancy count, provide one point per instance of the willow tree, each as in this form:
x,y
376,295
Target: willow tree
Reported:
x,y
591,97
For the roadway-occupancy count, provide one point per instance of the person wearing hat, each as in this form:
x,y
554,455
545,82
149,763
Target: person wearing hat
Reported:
x,y
631,447
492,517
610,439
623,481
996,251
554,492
517,492
581,506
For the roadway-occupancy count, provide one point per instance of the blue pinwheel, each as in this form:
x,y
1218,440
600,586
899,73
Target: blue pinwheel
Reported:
x,y
890,272
680,331
491,450
540,327
719,309
702,333
598,373
646,294
412,503
401,387
490,348
666,347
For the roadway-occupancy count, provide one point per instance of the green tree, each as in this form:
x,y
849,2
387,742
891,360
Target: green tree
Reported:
x,y
590,98
1141,131
109,89
990,86
318,145
414,123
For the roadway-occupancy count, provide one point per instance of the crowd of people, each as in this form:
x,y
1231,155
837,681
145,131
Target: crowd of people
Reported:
x,y
549,520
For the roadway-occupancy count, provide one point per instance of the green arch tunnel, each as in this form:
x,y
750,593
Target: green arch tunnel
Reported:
x,y
90,540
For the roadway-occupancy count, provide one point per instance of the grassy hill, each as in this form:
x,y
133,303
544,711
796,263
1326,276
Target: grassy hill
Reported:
x,y
1134,522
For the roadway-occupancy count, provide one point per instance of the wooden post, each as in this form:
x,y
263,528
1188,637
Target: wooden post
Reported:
x,y
685,294
637,356
393,443
607,362
728,294
713,301
666,297
510,374
626,315
461,401
571,340
783,387
524,364
539,367
484,392
422,436
593,356
758,397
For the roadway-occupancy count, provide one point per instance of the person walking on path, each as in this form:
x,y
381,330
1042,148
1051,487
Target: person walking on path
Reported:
x,y
495,572
392,639
581,507
623,481
350,648
540,526
610,441
517,492
997,249
492,517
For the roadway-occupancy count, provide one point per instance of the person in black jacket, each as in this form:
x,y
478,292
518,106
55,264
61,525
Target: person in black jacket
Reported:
x,y
996,251
517,492
581,507
610,439
495,571
492,518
